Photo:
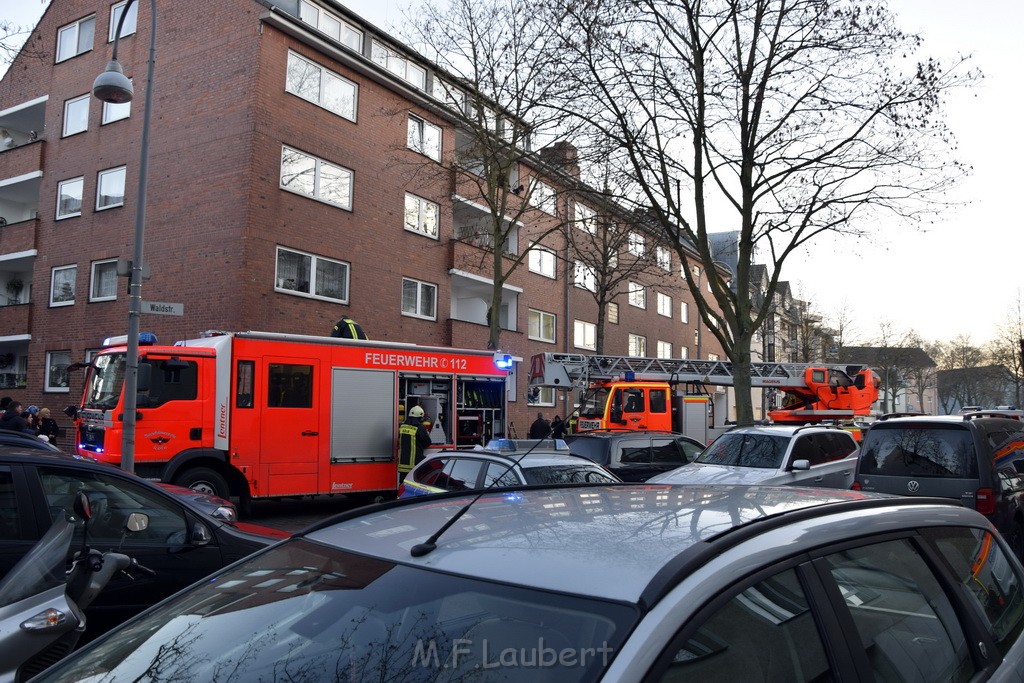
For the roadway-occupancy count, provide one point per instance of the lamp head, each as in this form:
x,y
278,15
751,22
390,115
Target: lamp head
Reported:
x,y
112,85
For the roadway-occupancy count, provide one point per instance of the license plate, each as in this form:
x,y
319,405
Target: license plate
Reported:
x,y
587,425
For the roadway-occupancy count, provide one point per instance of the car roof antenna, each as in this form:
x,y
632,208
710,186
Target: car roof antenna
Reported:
x,y
421,549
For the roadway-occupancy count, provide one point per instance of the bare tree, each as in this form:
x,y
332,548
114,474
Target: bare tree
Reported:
x,y
16,39
783,119
501,77
892,362
920,376
1007,348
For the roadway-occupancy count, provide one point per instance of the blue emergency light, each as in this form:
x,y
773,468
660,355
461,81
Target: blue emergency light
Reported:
x,y
630,376
503,361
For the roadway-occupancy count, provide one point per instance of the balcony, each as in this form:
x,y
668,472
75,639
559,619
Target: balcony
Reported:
x,y
13,320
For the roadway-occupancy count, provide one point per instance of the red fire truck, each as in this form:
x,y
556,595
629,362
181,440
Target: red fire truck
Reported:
x,y
260,415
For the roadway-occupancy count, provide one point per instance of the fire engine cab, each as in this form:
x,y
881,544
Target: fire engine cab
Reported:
x,y
258,414
625,392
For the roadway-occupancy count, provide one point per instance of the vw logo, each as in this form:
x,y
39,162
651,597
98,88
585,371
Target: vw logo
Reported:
x,y
913,486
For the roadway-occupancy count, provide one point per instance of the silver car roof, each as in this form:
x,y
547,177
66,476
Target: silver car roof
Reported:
x,y
526,460
615,542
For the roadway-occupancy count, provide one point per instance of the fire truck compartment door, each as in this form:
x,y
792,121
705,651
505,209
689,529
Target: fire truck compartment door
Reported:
x,y
363,415
290,421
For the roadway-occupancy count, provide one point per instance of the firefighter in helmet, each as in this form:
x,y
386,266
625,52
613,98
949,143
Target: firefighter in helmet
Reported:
x,y
347,328
413,440
573,421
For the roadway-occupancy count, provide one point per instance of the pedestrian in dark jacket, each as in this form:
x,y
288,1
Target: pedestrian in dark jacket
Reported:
x,y
557,428
12,419
347,328
540,429
48,427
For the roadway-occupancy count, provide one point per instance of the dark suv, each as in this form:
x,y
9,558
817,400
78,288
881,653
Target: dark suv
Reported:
x,y
977,458
635,455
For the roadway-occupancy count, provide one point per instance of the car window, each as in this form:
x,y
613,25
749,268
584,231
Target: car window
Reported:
x,y
430,471
111,500
633,401
746,450
765,633
461,474
500,474
635,451
988,575
567,474
595,449
667,450
919,451
659,402
805,447
8,506
689,449
841,444
822,447
907,626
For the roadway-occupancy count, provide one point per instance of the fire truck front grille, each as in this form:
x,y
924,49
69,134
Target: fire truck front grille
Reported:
x,y
91,438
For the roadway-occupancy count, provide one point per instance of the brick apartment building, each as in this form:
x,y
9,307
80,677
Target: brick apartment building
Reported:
x,y
272,204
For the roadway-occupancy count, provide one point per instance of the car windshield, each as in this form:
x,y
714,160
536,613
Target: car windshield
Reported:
x,y
746,450
593,402
310,612
104,383
919,451
567,474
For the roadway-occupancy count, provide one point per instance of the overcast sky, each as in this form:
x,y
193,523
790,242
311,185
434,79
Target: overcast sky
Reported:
x,y
962,276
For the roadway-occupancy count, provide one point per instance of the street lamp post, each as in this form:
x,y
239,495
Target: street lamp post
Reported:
x,y
114,87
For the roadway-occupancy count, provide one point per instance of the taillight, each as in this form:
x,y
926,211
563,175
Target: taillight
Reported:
x,y
856,486
985,501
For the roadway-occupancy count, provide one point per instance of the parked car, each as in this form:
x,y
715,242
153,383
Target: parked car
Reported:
x,y
479,469
808,455
584,583
182,544
635,455
221,508
976,458
526,444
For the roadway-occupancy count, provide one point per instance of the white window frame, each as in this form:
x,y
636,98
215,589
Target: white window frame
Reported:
x,y
684,311
612,313
421,288
584,335
317,175
115,112
586,219
714,356
637,244
637,296
684,352
542,261
664,258
105,176
53,366
348,35
75,26
94,276
80,181
664,305
399,65
351,99
542,196
130,24
585,276
448,94
279,280
74,282
637,347
424,137
664,349
422,208
541,317
81,99
540,397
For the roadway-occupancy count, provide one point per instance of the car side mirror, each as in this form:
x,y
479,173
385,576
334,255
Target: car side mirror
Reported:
x,y
200,534
801,464
137,521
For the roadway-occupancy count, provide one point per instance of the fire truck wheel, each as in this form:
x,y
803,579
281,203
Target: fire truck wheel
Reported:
x,y
204,480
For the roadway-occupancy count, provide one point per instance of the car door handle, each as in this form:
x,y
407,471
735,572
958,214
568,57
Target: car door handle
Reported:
x,y
310,433
817,479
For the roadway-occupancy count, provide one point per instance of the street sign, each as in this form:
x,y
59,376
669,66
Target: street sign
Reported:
x,y
161,308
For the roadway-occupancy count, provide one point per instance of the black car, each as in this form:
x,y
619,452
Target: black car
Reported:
x,y
976,458
182,544
635,455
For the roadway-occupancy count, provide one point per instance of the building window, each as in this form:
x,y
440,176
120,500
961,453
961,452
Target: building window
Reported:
x,y
542,197
664,305
540,396
541,326
110,188
637,345
69,198
322,87
75,38
305,174
130,21
584,335
115,112
636,244
421,215
664,349
684,312
449,95
104,281
419,299
586,219
398,65
424,138
637,295
714,356
585,276
664,258
333,26
309,275
76,115
542,261
612,314
57,363
684,352
62,285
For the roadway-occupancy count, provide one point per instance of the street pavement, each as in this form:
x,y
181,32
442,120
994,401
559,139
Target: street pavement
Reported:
x,y
295,515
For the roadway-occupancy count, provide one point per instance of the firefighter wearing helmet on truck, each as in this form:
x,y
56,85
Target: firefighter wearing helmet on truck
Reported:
x,y
413,440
